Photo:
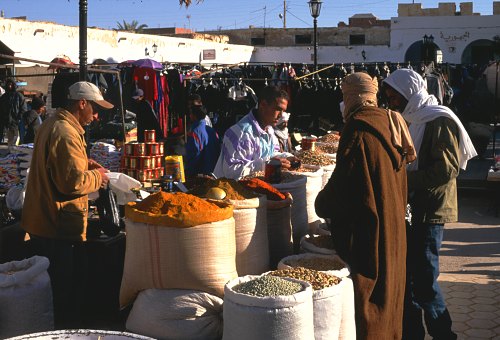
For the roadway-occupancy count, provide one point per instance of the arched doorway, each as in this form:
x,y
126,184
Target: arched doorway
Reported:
x,y
418,51
478,52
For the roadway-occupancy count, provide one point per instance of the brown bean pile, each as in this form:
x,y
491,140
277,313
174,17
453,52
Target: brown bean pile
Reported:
x,y
317,279
316,263
314,158
321,241
304,169
330,138
328,148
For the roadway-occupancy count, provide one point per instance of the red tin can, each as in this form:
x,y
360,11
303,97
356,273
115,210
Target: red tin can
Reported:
x,y
160,148
308,143
129,149
149,136
144,175
132,162
159,161
143,162
139,149
152,149
272,172
160,172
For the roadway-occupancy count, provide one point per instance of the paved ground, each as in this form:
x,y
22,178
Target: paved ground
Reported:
x,y
470,267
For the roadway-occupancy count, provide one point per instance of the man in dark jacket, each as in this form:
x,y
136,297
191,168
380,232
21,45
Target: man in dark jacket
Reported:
x,y
32,119
146,117
443,147
12,107
365,200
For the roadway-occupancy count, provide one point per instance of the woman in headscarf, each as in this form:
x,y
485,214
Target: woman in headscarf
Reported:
x,y
365,200
443,148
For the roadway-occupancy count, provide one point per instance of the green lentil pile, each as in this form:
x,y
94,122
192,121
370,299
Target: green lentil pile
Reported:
x,y
321,241
317,279
268,286
316,263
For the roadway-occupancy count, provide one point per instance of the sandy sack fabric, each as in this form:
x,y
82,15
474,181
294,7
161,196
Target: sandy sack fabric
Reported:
x,y
308,247
25,297
327,173
279,230
249,317
252,246
299,206
176,314
198,258
314,184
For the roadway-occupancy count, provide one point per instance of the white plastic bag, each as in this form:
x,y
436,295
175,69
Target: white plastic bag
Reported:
x,y
15,198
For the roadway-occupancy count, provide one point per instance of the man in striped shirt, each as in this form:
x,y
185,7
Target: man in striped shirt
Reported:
x,y
248,144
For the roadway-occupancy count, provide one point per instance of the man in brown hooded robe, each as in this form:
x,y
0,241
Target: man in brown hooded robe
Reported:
x,y
365,200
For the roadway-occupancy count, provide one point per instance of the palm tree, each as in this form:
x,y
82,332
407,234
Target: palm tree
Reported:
x,y
188,2
132,26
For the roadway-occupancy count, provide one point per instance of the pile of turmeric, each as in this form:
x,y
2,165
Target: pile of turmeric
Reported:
x,y
261,187
234,190
177,210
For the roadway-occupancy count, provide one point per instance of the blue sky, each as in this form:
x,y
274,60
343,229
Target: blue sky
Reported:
x,y
210,14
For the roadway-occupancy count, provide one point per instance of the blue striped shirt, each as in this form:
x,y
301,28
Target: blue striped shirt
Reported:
x,y
246,147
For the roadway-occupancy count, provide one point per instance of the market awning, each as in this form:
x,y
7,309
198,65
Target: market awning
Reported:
x,y
4,49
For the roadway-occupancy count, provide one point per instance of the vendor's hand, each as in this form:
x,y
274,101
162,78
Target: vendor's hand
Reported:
x,y
294,162
285,163
93,165
104,177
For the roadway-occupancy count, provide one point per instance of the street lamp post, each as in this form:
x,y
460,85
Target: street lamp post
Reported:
x,y
315,8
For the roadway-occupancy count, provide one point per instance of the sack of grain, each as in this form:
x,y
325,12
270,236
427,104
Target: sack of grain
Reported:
x,y
317,244
297,188
176,314
199,258
279,230
252,245
333,265
268,317
327,173
314,184
25,297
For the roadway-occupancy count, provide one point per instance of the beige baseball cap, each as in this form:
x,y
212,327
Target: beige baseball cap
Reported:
x,y
88,91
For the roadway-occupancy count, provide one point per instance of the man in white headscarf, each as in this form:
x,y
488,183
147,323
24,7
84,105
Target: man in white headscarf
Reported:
x,y
443,148
283,143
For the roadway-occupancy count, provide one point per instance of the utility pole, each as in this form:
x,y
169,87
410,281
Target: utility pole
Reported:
x,y
284,13
83,40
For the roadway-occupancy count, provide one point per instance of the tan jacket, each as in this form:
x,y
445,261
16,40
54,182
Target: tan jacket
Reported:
x,y
56,201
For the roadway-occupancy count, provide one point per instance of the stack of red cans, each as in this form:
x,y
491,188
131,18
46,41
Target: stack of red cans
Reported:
x,y
143,161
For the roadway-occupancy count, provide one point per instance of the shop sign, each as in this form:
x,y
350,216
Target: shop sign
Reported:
x,y
209,54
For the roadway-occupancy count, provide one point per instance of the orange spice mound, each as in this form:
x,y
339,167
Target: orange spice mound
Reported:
x,y
177,210
261,187
234,190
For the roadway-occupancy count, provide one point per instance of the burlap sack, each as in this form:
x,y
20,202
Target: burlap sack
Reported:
x,y
198,258
176,314
279,230
314,185
299,207
249,317
252,246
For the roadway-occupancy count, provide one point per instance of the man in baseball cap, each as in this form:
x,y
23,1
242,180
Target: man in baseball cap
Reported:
x,y
88,91
56,201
